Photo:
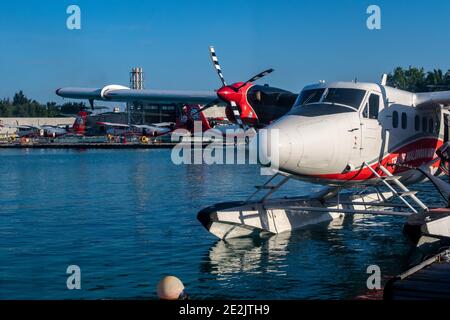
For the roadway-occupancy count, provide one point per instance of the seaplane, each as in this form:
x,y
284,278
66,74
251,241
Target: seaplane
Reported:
x,y
350,136
51,131
189,115
362,141
246,104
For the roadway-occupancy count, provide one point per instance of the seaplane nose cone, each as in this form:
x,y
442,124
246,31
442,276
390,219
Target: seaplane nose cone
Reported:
x,y
274,147
284,148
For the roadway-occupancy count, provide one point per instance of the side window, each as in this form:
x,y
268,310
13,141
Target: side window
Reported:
x,y
395,119
431,126
424,124
404,120
374,106
417,123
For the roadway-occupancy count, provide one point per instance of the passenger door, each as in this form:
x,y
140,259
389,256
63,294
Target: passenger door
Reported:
x,y
371,130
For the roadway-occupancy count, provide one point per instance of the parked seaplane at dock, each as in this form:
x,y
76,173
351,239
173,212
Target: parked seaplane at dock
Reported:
x,y
341,135
51,131
246,104
345,136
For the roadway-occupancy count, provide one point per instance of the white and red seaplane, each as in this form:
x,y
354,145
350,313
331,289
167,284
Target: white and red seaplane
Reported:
x,y
343,135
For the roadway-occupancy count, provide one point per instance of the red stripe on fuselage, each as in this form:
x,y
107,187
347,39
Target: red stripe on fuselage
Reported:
x,y
413,154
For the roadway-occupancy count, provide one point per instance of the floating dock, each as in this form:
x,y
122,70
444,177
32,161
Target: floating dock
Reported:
x,y
77,144
163,145
430,280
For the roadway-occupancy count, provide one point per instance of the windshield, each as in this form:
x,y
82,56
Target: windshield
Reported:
x,y
347,97
319,109
309,96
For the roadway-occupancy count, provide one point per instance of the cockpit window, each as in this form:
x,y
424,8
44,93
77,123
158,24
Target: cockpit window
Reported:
x,y
319,109
347,97
309,96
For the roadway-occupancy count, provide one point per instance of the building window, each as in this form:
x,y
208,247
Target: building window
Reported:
x,y
395,119
424,124
404,120
417,123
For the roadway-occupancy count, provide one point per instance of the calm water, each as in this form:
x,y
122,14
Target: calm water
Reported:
x,y
128,218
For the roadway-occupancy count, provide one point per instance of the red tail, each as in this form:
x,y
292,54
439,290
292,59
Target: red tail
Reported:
x,y
79,126
190,113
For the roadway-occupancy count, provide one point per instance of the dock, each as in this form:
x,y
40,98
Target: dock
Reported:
x,y
427,281
163,145
109,145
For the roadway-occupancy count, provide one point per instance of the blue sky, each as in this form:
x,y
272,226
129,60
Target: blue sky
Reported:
x,y
304,41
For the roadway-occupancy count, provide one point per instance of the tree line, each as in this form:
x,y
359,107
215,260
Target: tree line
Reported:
x,y
21,106
410,79
417,80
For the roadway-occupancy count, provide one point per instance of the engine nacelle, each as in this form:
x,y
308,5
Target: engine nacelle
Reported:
x,y
112,87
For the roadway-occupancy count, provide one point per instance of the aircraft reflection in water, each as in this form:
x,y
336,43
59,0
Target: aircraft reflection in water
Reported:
x,y
249,255
337,249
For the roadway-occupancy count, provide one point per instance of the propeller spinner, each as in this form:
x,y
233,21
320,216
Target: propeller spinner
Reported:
x,y
231,93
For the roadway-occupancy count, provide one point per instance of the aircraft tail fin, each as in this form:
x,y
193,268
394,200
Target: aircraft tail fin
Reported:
x,y
79,126
190,114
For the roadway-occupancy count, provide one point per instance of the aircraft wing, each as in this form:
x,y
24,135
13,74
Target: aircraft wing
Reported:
x,y
80,93
163,124
110,124
428,99
21,127
163,96
153,128
124,94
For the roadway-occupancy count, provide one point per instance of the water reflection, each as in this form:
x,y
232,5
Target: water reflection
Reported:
x,y
328,260
62,207
249,255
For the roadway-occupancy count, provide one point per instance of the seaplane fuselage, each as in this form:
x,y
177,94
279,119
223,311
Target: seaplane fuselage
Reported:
x,y
335,131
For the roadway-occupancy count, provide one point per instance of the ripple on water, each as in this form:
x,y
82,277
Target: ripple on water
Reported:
x,y
127,218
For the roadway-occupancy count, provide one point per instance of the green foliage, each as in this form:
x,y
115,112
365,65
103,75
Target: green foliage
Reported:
x,y
21,106
417,80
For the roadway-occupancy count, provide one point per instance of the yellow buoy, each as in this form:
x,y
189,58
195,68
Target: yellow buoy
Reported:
x,y
144,139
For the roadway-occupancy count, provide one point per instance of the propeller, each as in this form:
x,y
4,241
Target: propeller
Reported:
x,y
216,64
256,77
233,105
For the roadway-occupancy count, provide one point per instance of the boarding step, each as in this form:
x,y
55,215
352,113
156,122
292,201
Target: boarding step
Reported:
x,y
407,193
270,187
389,180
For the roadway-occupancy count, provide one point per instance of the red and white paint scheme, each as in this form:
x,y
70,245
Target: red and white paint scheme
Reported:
x,y
78,128
335,131
189,115
238,93
342,135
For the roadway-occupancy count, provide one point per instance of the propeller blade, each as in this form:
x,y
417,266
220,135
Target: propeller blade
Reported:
x,y
234,107
257,77
216,64
209,105
237,114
